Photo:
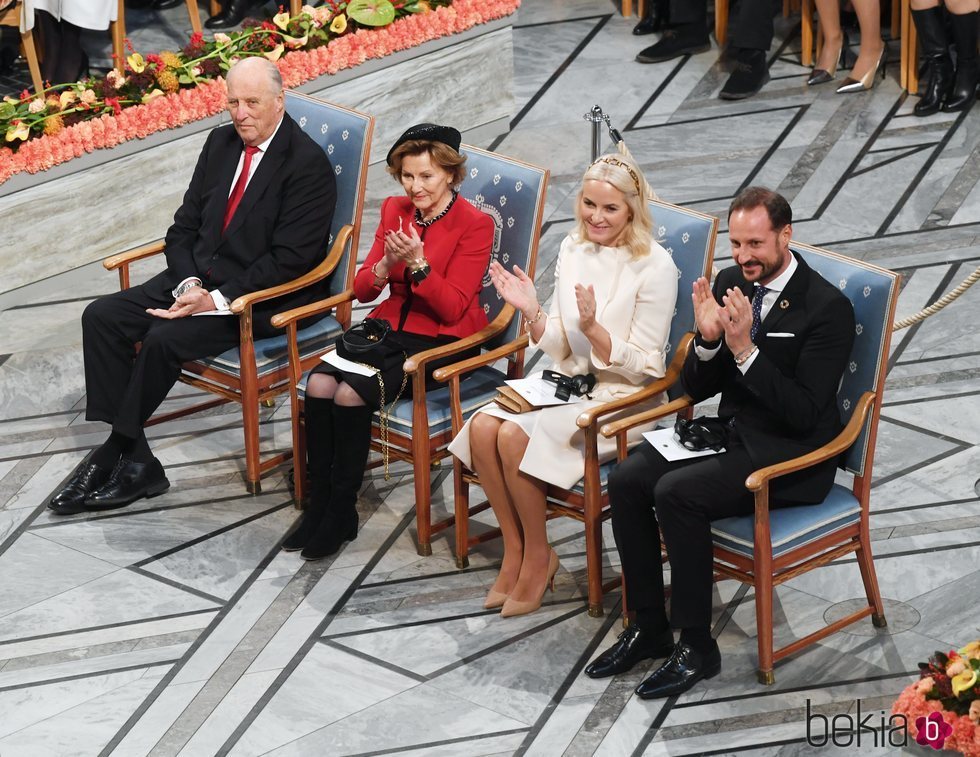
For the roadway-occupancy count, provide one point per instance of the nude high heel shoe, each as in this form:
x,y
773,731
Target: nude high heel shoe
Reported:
x,y
494,599
514,607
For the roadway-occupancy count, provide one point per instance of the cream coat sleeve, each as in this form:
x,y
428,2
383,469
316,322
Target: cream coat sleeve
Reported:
x,y
639,351
554,342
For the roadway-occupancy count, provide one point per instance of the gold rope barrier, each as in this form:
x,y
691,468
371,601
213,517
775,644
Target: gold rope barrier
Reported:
x,y
938,304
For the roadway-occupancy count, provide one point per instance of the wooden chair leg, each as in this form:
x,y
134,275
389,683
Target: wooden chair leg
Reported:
x,y
30,53
195,15
295,6
627,8
299,459
461,503
806,34
909,70
214,7
763,621
896,18
721,21
117,30
250,421
423,495
870,577
593,563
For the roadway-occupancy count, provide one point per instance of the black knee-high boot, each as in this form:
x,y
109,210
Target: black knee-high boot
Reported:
x,y
352,431
319,462
964,91
938,66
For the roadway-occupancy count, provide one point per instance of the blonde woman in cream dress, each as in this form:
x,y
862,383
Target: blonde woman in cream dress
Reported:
x,y
615,291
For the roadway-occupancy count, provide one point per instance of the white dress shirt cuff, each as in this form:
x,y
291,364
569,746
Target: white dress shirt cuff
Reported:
x,y
220,303
744,367
704,353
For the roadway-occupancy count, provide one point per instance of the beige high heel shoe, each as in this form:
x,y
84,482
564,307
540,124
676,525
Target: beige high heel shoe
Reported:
x,y
494,599
514,607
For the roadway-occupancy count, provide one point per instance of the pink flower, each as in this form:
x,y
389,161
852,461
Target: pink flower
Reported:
x,y
974,713
925,685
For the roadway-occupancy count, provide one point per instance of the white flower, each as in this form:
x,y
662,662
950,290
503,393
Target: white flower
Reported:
x,y
221,38
36,106
925,685
956,667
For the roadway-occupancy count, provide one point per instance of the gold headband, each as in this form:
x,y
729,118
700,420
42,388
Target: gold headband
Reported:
x,y
626,167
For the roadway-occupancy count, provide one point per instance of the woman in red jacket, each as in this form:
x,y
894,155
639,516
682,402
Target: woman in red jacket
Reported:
x,y
430,252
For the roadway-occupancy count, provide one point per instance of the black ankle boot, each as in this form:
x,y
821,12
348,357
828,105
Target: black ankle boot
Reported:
x,y
938,78
352,430
318,413
964,91
655,20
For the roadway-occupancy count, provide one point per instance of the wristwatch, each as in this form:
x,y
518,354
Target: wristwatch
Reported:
x,y
185,286
419,270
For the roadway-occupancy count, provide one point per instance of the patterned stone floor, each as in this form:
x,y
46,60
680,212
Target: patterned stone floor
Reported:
x,y
176,626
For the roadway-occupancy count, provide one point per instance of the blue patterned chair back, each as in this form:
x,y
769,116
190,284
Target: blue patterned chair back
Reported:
x,y
873,292
689,238
345,136
512,194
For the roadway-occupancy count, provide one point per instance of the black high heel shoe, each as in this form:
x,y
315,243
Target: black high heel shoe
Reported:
x,y
868,80
822,76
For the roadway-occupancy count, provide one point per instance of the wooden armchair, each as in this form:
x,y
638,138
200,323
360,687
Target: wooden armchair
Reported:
x,y
11,16
689,237
257,371
769,548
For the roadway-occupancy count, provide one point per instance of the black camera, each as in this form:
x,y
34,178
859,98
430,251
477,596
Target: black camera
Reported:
x,y
565,386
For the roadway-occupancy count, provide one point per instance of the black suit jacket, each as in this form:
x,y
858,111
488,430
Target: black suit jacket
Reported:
x,y
279,230
785,405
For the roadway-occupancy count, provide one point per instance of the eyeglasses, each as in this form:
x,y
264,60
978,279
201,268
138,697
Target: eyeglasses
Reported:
x,y
696,435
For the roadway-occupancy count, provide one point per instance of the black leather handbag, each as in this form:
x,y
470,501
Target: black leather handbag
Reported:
x,y
371,342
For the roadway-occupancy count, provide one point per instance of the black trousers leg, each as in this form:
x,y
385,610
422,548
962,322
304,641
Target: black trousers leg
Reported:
x,y
689,12
682,497
123,388
751,25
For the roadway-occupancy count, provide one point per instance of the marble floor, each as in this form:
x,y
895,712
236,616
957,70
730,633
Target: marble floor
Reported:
x,y
177,627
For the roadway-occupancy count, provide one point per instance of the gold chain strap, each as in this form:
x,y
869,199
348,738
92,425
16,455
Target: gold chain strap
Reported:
x,y
383,413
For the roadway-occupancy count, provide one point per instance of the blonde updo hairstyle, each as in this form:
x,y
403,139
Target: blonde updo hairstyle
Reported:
x,y
621,172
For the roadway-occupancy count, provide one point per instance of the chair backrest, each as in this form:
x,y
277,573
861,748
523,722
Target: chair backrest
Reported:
x,y
345,136
873,292
512,194
689,238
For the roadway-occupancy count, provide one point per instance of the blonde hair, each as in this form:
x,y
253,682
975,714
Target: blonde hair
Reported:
x,y
622,173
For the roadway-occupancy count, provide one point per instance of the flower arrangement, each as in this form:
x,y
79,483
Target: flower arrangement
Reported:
x,y
169,89
942,708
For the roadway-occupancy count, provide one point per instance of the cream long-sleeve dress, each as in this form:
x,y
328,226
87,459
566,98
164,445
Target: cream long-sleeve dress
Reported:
x,y
635,302
89,14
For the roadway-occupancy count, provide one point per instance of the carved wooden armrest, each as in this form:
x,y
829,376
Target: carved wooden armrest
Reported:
x,y
131,256
417,361
285,318
617,427
320,272
448,372
760,478
592,415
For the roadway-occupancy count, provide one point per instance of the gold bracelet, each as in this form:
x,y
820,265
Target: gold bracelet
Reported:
x,y
537,317
418,264
377,278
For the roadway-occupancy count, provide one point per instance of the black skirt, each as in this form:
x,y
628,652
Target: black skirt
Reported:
x,y
393,375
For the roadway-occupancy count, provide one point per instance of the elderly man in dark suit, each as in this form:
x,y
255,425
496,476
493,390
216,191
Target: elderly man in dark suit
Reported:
x,y
774,338
257,213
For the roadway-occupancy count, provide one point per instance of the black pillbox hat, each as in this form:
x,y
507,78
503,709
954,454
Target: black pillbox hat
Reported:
x,y
430,133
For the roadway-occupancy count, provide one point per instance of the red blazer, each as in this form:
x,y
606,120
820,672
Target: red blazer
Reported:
x,y
447,301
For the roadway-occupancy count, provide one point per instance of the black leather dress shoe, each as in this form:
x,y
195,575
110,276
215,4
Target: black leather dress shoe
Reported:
x,y
650,24
129,482
164,5
86,479
634,645
684,668
232,13
688,39
749,76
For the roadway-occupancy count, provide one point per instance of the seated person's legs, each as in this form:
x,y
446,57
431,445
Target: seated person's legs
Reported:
x,y
338,440
685,34
752,32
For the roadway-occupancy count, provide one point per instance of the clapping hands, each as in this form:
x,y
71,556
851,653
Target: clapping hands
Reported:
x,y
516,288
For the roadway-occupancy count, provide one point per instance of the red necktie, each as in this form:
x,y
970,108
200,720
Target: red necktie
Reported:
x,y
239,190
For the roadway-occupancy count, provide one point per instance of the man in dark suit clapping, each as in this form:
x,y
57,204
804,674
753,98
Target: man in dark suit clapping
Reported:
x,y
257,214
773,338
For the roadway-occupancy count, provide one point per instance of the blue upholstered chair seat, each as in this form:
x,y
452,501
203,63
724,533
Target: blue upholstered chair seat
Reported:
x,y
579,487
270,353
791,527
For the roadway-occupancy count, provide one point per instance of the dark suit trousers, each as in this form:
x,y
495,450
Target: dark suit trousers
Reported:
x,y
683,497
750,22
125,388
